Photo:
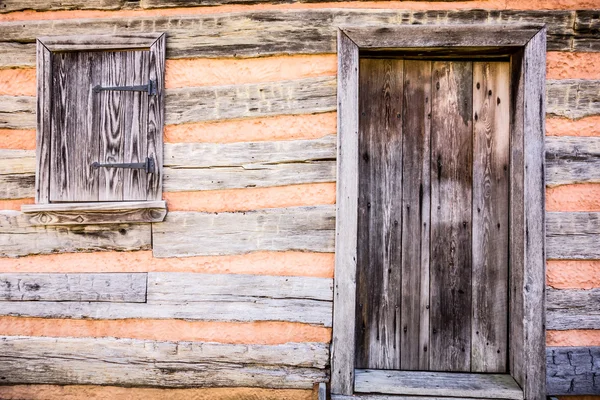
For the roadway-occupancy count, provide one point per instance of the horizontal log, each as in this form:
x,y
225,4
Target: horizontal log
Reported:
x,y
185,234
572,160
193,288
493,386
17,161
573,309
573,370
128,288
130,362
573,98
253,34
17,55
566,98
19,238
17,186
587,26
52,5
572,235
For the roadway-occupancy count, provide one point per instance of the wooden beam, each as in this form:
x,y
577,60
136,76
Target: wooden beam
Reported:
x,y
114,288
573,98
573,370
572,160
573,235
492,386
185,234
51,5
573,309
101,361
100,42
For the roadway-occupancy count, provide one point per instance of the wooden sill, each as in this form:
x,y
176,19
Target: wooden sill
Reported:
x,y
95,213
439,384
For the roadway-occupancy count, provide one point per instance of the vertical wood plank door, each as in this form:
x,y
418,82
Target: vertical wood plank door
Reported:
x,y
432,260
107,126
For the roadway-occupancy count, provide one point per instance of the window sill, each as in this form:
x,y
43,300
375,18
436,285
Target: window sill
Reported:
x,y
95,213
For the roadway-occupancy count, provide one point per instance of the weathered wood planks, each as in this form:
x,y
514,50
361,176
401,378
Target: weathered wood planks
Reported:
x,y
251,34
492,386
185,234
19,238
114,288
573,309
573,370
572,235
379,245
51,5
572,160
130,362
569,98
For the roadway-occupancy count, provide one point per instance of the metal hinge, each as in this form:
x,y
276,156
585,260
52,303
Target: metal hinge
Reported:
x,y
150,87
148,166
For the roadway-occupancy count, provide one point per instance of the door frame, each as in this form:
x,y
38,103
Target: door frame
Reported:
x,y
525,44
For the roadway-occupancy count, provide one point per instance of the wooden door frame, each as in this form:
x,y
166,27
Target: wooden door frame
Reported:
x,y
526,47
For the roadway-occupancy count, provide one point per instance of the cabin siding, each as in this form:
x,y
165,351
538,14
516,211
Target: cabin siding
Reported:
x,y
249,178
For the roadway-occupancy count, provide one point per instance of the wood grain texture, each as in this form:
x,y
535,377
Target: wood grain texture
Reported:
x,y
438,384
379,258
156,119
19,238
573,98
573,309
416,203
167,364
43,125
51,5
573,370
260,33
87,42
114,288
346,225
17,112
491,141
301,96
586,25
194,288
185,234
572,160
572,235
451,192
17,186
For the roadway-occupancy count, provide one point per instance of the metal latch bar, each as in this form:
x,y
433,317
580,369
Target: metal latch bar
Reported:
x,y
148,166
150,87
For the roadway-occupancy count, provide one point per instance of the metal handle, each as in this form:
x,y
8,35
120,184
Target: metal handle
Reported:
x,y
150,87
148,166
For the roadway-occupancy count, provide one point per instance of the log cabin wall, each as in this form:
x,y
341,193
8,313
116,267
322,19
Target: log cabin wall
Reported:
x,y
233,292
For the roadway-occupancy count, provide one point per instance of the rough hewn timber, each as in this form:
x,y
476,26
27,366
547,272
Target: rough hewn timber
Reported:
x,y
573,98
17,112
185,234
51,5
573,370
573,309
131,362
572,160
572,235
116,288
19,238
587,28
251,34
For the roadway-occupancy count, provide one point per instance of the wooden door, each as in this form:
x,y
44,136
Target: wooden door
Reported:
x,y
432,262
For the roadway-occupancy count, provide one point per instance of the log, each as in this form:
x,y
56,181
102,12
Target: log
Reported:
x,y
573,370
572,235
572,160
573,98
573,309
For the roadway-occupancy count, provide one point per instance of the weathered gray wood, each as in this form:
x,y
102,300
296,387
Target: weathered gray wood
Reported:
x,y
346,228
416,202
50,5
195,3
573,235
185,234
151,363
43,124
410,36
491,147
95,213
209,166
438,384
451,192
395,397
573,370
74,140
573,98
17,55
17,161
586,27
322,391
573,309
119,288
301,96
19,238
534,272
379,258
142,40
572,160
156,118
17,186
193,288
218,308
17,112
252,33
